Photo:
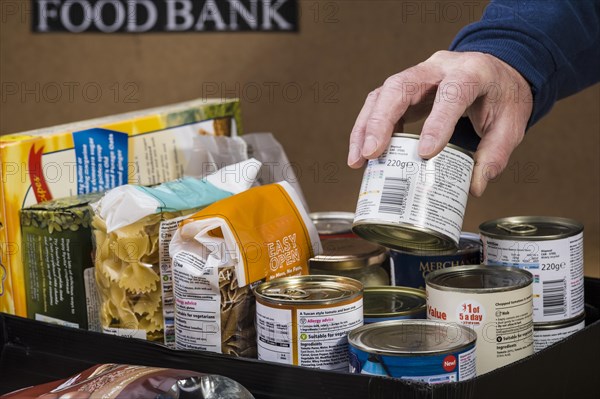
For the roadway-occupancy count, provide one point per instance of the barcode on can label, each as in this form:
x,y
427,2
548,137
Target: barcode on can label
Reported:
x,y
393,196
554,295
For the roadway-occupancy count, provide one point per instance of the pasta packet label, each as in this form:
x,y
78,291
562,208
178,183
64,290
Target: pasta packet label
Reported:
x,y
221,252
126,236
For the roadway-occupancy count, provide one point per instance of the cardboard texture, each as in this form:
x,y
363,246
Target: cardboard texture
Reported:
x,y
343,50
34,352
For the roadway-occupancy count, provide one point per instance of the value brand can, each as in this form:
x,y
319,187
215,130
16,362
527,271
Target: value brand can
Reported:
x,y
305,320
393,303
551,249
495,302
546,334
333,224
420,350
410,268
412,204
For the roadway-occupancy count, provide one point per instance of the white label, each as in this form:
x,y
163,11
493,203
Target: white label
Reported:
x,y
503,322
323,335
557,268
273,331
92,300
125,332
401,187
467,365
53,320
167,229
545,338
197,303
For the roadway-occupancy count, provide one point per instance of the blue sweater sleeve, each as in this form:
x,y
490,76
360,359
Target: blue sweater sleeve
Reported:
x,y
554,44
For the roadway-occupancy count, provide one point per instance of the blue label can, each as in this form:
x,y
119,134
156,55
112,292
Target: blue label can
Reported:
x,y
410,268
420,350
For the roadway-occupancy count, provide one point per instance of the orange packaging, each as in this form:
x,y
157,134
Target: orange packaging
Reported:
x,y
223,251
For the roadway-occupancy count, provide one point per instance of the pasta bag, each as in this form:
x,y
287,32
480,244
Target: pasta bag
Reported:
x,y
221,252
127,254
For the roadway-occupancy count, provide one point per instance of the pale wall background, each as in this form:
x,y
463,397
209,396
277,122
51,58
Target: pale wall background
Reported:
x,y
343,50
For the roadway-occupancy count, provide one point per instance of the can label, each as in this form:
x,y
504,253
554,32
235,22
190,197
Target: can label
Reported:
x,y
502,321
401,187
315,337
545,338
557,268
433,369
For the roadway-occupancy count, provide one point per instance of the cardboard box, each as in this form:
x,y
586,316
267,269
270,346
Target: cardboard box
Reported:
x,y
34,352
140,147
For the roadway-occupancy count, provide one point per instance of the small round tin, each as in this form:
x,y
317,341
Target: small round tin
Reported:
x,y
385,303
546,334
496,302
333,224
412,204
551,248
352,257
305,320
419,350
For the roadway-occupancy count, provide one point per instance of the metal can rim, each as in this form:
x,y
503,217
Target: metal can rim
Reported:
x,y
449,145
408,312
352,338
430,278
355,291
323,216
553,325
348,262
464,235
576,228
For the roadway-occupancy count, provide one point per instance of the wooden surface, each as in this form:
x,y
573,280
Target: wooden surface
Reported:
x,y
343,50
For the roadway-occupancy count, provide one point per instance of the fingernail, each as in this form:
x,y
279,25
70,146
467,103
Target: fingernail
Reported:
x,y
353,155
427,145
369,147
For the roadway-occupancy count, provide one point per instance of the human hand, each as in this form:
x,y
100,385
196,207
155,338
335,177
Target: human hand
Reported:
x,y
495,97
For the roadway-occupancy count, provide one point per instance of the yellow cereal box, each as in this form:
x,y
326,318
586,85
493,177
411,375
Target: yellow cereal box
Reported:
x,y
144,147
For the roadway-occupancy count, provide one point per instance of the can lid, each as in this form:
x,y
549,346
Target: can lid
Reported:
x,y
330,223
528,228
387,301
348,253
553,325
411,337
479,279
313,289
468,243
404,237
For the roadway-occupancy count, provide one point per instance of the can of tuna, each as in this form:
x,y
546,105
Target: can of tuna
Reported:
x,y
410,268
305,320
546,334
412,204
352,257
333,224
495,302
551,249
420,350
385,303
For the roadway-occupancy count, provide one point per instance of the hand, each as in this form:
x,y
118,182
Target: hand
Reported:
x,y
495,97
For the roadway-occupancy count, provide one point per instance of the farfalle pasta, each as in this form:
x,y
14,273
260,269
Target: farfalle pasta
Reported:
x,y
126,229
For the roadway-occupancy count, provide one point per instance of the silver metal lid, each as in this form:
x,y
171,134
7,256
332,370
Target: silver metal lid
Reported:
x,y
468,243
309,290
531,228
411,338
387,301
331,223
553,325
479,279
348,253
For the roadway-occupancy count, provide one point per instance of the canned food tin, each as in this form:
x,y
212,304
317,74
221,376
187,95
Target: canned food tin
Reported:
x,y
305,320
393,303
352,257
333,224
551,249
409,269
546,334
412,204
495,302
419,350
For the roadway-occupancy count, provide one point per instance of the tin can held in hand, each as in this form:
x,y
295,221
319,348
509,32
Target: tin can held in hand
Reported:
x,y
385,303
412,204
495,302
420,350
305,320
409,269
551,249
